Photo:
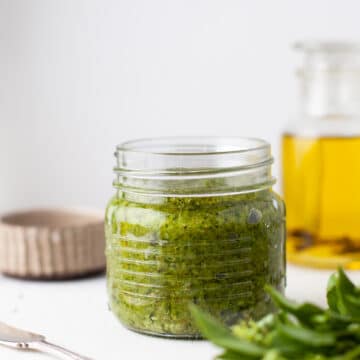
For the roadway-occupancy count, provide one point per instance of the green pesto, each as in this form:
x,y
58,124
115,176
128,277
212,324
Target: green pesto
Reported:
x,y
217,252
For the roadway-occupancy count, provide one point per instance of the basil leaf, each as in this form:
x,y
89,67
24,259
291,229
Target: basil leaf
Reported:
x,y
350,355
308,337
221,336
336,320
303,312
345,283
347,294
230,355
286,346
331,292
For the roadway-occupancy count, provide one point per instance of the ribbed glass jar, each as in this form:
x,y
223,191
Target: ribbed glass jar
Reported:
x,y
193,220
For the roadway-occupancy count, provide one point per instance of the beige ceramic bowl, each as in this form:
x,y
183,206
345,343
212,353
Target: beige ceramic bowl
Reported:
x,y
52,243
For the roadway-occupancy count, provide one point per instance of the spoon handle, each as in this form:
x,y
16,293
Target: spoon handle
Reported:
x,y
70,354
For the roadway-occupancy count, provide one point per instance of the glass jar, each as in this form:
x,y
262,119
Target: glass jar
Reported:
x,y
193,220
321,152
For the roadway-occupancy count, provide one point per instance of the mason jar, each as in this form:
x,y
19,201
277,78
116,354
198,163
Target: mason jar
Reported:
x,y
193,220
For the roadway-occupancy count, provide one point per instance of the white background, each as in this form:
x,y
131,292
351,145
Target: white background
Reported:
x,y
79,76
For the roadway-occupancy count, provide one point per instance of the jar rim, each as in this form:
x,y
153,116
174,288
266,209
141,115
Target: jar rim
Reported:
x,y
187,145
191,157
180,165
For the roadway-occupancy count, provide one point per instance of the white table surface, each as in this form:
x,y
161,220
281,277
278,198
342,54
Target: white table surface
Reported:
x,y
75,314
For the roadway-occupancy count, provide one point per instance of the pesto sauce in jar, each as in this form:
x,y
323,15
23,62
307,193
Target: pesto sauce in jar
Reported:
x,y
214,251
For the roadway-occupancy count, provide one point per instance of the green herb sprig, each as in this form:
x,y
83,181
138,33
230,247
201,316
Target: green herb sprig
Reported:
x,y
296,331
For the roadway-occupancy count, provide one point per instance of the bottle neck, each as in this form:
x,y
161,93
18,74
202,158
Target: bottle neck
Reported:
x,y
330,93
329,79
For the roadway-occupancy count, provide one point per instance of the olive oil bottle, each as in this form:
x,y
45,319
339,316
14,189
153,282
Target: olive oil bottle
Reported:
x,y
321,160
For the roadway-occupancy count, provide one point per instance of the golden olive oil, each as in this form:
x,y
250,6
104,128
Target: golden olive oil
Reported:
x,y
321,180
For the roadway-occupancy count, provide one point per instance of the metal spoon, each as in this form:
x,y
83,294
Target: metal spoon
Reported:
x,y
27,340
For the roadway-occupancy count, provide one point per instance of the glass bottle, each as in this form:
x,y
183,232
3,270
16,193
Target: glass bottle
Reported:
x,y
321,159
193,220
